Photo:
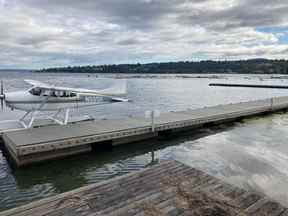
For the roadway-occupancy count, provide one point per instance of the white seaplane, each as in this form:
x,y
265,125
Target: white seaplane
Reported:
x,y
59,100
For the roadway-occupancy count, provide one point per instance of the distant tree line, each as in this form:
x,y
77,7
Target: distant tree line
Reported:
x,y
253,66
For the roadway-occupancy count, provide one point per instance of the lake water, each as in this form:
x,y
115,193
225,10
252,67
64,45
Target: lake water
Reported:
x,y
251,154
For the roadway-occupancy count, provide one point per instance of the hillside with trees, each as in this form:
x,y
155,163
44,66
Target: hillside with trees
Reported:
x,y
253,66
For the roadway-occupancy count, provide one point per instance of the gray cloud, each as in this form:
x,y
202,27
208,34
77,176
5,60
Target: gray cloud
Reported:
x,y
129,41
57,33
253,13
130,13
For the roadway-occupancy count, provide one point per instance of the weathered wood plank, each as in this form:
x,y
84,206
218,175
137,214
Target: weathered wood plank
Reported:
x,y
265,207
285,213
247,199
164,189
51,202
137,187
130,203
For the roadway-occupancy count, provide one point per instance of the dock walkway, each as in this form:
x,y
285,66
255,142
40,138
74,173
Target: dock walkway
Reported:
x,y
39,144
169,188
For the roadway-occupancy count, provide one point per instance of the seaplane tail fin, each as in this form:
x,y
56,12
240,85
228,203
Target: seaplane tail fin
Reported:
x,y
119,88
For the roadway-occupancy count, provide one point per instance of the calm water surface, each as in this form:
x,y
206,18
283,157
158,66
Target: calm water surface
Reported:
x,y
252,154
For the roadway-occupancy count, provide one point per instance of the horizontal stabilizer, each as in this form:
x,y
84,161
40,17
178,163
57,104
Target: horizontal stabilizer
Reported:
x,y
118,88
116,99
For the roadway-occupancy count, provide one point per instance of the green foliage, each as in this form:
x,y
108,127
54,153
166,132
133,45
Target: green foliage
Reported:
x,y
261,66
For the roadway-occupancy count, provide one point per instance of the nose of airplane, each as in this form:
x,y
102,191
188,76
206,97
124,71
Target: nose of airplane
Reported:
x,y
9,97
15,97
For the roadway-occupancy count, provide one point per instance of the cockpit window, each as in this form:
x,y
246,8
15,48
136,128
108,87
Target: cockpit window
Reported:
x,y
35,91
52,93
66,94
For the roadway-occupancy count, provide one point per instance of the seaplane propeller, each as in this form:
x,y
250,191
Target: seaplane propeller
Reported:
x,y
2,95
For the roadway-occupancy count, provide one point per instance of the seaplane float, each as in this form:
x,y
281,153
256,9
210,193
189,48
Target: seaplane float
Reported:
x,y
42,97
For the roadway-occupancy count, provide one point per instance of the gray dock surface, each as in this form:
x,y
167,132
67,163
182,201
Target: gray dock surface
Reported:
x,y
39,144
249,85
169,188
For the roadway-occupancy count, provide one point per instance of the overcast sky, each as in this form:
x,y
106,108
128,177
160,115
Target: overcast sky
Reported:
x,y
48,33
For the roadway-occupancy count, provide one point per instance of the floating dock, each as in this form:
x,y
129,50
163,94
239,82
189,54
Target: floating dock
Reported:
x,y
169,188
39,144
249,85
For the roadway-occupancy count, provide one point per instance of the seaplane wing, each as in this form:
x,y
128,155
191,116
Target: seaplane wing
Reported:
x,y
36,83
113,92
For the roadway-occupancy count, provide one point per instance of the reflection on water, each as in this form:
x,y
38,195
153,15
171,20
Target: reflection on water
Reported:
x,y
46,179
251,154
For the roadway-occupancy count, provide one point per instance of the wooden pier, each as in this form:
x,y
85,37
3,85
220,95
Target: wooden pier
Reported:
x,y
39,144
169,188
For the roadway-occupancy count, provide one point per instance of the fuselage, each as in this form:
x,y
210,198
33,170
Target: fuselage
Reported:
x,y
50,98
24,100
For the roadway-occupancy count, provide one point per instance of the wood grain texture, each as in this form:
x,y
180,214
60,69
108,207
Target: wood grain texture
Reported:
x,y
169,188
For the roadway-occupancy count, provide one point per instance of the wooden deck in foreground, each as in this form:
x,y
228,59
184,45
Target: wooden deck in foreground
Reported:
x,y
169,188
